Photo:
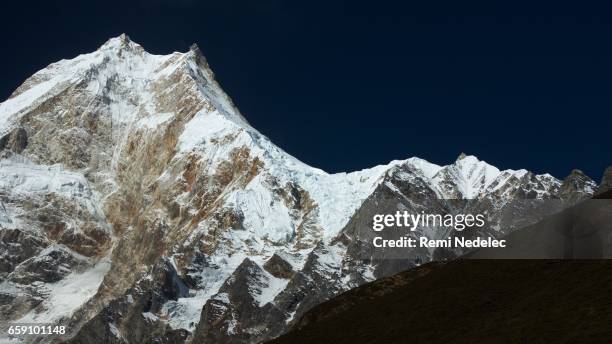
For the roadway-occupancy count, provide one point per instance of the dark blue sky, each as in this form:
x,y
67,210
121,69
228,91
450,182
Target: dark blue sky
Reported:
x,y
348,85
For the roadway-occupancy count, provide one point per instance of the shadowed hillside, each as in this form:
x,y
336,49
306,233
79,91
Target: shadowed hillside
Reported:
x,y
471,301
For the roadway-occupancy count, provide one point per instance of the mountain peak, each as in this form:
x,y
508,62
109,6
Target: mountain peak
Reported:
x,y
577,183
195,48
606,181
124,38
576,173
464,160
461,156
121,42
198,56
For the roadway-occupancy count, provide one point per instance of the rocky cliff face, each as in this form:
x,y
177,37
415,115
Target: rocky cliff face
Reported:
x,y
138,204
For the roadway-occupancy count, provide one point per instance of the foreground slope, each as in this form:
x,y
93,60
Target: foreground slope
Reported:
x,y
471,301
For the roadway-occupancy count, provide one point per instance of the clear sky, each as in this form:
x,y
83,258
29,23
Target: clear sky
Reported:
x,y
345,85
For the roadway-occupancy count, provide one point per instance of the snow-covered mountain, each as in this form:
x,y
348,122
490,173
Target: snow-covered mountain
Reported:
x,y
138,203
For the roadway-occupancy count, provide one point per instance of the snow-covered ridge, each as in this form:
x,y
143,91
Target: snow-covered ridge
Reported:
x,y
338,195
472,177
122,61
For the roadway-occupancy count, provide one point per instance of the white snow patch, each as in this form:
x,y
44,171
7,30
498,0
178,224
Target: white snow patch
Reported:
x,y
67,295
273,287
185,312
153,121
150,317
24,178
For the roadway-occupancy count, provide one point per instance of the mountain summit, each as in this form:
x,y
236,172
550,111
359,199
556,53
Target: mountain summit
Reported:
x,y
138,203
